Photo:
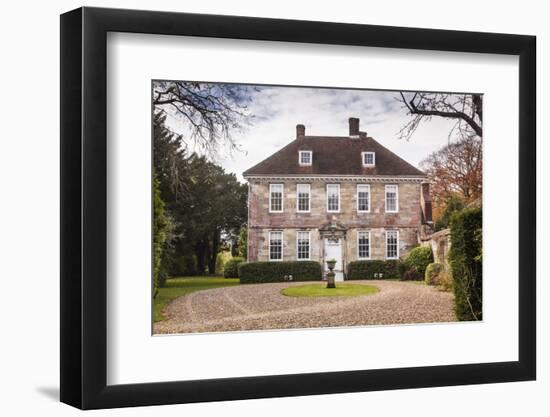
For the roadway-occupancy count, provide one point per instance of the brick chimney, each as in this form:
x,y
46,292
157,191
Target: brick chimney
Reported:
x,y
353,126
300,131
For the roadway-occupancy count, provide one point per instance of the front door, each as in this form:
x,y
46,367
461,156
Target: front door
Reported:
x,y
333,250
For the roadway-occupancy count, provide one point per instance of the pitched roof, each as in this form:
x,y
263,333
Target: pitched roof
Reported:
x,y
334,155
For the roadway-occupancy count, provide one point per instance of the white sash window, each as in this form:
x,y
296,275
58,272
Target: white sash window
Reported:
x,y
275,246
392,199
363,198
333,198
276,198
303,245
363,244
392,244
303,192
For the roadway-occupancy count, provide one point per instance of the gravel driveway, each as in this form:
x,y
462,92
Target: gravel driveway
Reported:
x,y
262,306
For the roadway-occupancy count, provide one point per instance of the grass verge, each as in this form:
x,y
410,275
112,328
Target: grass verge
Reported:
x,y
176,287
321,290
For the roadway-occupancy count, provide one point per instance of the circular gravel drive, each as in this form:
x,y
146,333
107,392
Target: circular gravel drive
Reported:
x,y
262,306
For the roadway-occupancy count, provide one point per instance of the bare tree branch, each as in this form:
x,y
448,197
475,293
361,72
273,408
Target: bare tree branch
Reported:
x,y
467,109
210,111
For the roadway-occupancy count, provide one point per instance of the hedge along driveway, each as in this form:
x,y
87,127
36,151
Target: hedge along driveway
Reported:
x,y
262,306
257,272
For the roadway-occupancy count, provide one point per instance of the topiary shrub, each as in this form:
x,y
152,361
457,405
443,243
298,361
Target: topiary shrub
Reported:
x,y
372,269
433,271
260,272
418,259
231,267
465,261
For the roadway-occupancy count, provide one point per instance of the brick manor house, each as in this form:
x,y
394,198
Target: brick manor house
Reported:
x,y
335,197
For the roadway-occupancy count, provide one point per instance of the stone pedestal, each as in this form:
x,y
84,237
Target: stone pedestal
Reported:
x,y
330,274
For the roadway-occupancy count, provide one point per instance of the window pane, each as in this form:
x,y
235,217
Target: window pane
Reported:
x,y
303,191
303,245
276,197
391,197
368,158
363,197
305,158
333,203
363,244
275,245
392,241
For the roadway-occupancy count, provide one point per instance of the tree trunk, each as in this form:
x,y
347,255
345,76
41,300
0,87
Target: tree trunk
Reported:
x,y
213,252
234,248
200,252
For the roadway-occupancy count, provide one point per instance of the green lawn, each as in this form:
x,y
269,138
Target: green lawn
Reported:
x,y
321,290
176,287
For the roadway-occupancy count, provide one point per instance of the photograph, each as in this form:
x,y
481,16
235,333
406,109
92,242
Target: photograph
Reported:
x,y
299,207
266,209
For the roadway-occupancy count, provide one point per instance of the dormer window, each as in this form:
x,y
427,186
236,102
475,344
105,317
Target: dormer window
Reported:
x,y
305,158
368,159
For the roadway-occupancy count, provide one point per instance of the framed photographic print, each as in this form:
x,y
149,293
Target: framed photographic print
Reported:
x,y
257,208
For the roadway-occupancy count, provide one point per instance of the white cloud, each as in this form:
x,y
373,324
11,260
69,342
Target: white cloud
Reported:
x,y
325,112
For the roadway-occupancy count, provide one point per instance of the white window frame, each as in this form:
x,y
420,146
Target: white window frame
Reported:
x,y
363,154
359,232
396,198
339,202
282,246
298,198
367,186
282,197
300,153
298,248
386,245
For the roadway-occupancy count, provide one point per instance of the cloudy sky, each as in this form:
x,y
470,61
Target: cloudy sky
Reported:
x,y
277,111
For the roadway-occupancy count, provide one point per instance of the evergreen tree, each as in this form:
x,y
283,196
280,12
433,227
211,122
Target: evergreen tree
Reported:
x,y
160,228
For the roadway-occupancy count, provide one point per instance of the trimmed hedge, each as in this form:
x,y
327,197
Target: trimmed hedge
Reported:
x,y
433,272
231,267
418,259
260,272
466,266
367,269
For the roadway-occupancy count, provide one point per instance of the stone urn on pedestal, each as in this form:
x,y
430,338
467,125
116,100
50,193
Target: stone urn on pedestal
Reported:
x,y
331,263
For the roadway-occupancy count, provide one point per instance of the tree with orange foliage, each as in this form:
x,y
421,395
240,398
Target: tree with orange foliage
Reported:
x,y
455,170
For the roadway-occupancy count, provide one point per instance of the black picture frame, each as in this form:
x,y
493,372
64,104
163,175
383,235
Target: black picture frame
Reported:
x,y
84,207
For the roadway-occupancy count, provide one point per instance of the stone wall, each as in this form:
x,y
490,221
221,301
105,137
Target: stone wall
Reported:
x,y
440,242
408,238
258,241
407,220
409,214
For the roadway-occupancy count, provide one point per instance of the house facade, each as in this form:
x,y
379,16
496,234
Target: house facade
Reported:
x,y
335,197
